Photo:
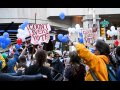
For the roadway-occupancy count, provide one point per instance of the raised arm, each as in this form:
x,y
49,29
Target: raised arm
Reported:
x,y
95,35
23,52
90,59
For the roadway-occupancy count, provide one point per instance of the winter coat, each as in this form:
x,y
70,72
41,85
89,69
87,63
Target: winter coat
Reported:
x,y
11,63
96,63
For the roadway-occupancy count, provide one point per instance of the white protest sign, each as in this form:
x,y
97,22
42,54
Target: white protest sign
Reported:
x,y
57,44
87,36
39,33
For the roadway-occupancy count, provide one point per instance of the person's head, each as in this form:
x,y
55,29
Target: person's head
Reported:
x,y
41,58
118,51
56,55
101,48
75,60
22,60
50,53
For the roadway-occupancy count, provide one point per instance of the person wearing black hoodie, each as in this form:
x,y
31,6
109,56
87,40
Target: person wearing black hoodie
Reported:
x,y
56,65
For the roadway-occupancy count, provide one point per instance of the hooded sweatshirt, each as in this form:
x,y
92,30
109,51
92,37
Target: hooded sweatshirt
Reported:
x,y
96,63
11,63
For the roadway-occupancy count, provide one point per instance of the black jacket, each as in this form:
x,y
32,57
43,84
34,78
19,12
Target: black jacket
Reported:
x,y
17,77
57,65
33,70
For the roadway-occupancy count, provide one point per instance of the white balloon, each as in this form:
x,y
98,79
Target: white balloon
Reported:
x,y
77,30
70,30
108,32
115,32
73,30
77,26
112,28
18,35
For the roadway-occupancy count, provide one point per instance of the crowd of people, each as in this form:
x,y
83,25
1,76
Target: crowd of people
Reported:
x,y
80,65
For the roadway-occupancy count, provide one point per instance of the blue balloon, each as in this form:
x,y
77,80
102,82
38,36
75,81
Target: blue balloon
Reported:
x,y
2,39
6,35
66,37
18,46
81,34
60,36
63,39
3,45
22,27
25,23
62,15
81,40
7,41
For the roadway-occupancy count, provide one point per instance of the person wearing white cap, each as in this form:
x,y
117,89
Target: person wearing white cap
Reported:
x,y
56,65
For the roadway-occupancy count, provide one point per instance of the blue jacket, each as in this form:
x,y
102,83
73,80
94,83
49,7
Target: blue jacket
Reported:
x,y
19,77
11,63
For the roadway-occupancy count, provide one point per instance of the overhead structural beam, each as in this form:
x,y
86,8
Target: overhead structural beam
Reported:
x,y
9,26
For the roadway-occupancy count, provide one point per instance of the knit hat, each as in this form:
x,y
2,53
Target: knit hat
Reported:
x,y
4,55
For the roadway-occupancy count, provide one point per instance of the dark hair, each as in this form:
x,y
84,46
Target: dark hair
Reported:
x,y
118,51
74,60
41,58
22,60
49,52
104,49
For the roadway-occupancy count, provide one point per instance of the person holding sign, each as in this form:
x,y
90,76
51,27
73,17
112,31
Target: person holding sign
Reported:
x,y
97,63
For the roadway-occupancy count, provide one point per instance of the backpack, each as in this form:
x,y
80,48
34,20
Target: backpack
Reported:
x,y
112,73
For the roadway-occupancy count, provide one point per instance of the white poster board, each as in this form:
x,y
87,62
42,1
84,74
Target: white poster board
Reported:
x,y
39,33
87,36
57,44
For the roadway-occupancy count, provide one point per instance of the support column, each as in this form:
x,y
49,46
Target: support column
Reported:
x,y
88,22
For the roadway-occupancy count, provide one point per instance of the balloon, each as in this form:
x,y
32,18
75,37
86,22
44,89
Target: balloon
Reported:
x,y
25,23
2,39
81,34
77,26
65,38
73,30
116,42
62,15
18,46
6,35
3,45
60,36
22,27
70,30
19,41
108,32
112,28
81,40
7,41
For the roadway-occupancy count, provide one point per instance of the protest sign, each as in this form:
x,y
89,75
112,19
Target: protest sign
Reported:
x,y
87,36
39,33
28,41
57,44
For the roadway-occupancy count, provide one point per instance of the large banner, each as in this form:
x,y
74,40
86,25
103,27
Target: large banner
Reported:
x,y
39,33
87,36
